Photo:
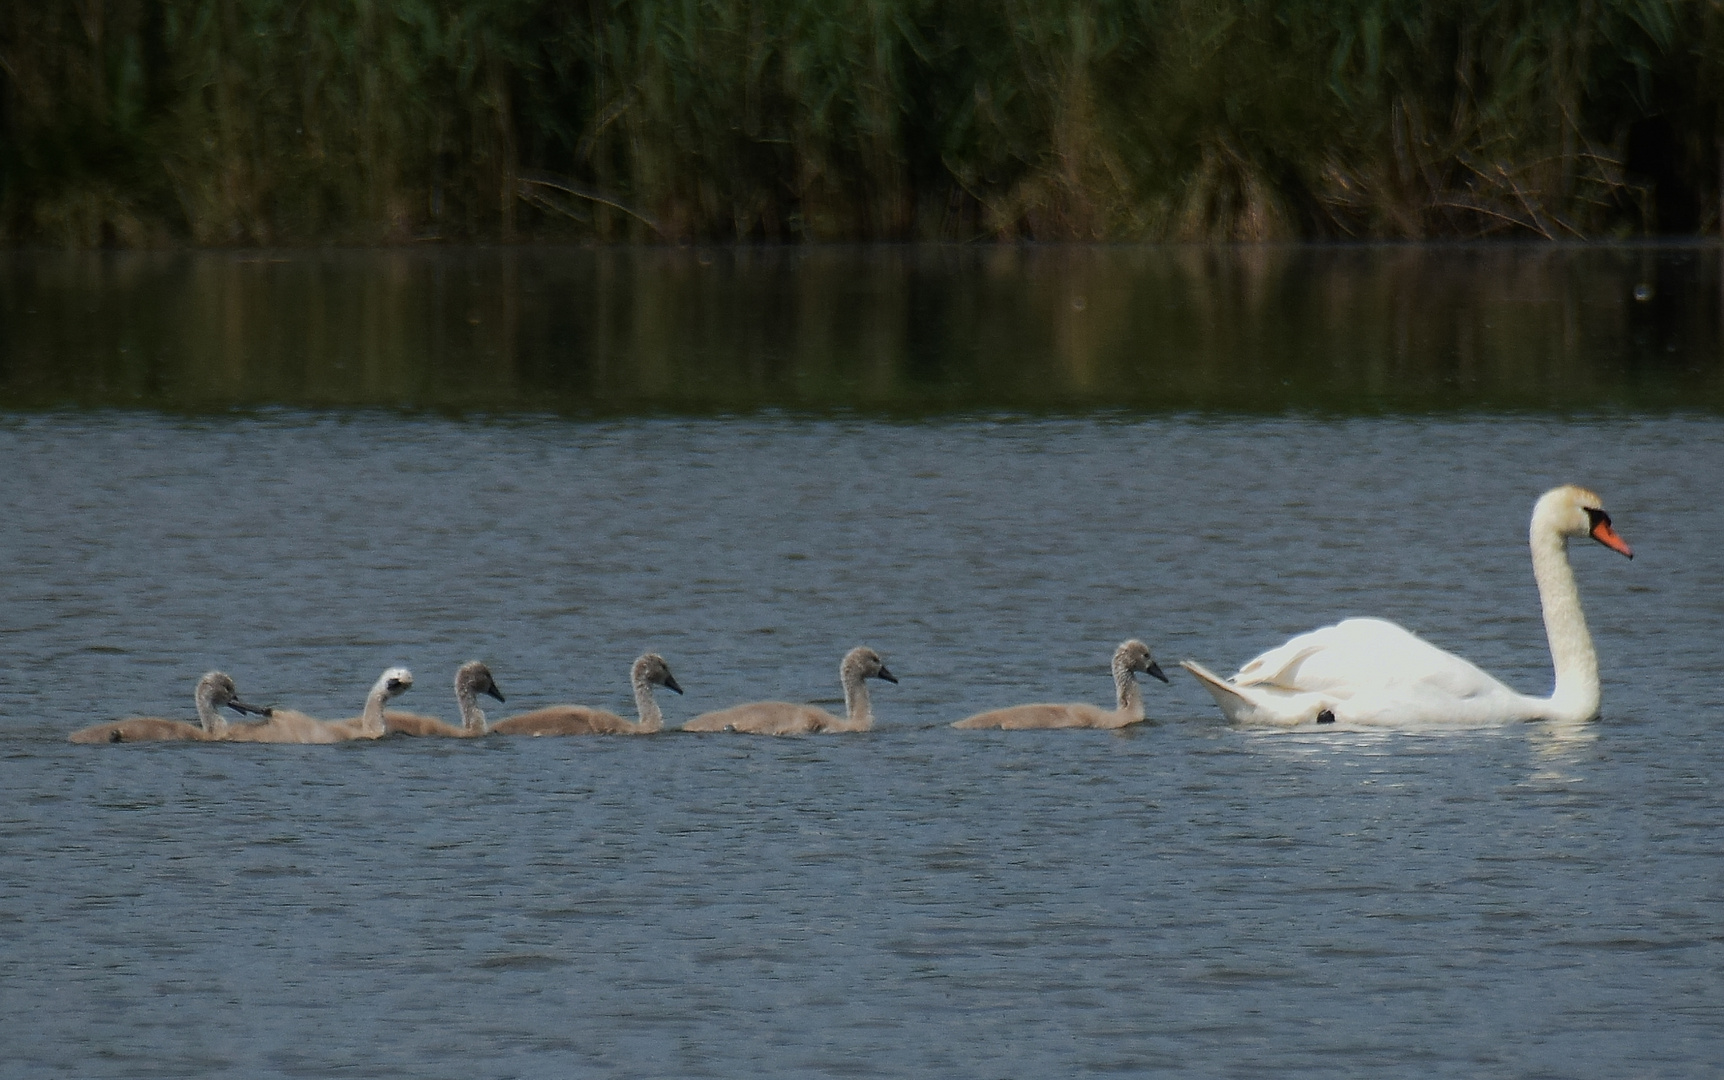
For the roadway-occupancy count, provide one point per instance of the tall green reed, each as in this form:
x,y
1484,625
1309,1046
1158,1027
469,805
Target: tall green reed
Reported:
x,y
139,122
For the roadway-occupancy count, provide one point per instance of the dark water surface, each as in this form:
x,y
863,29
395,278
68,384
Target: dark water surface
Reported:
x,y
1184,896
901,330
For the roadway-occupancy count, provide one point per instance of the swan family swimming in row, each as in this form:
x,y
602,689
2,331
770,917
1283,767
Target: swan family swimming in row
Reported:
x,y
1363,672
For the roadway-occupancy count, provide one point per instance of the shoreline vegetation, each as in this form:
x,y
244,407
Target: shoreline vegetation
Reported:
x,y
167,123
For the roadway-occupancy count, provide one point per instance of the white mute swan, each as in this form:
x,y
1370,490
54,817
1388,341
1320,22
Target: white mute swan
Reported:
x,y
648,671
1372,672
1131,657
783,718
213,691
288,726
471,679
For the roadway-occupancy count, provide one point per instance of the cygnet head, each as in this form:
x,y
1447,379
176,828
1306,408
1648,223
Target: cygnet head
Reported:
x,y
394,682
218,689
1573,511
472,679
864,663
654,670
1133,655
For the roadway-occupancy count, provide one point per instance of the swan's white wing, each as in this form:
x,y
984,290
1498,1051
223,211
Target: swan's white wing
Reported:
x,y
1260,704
1364,655
1376,673
1272,667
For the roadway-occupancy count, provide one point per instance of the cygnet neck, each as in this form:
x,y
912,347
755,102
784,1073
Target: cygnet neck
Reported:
x,y
472,716
859,716
1127,694
209,715
371,720
1576,696
646,705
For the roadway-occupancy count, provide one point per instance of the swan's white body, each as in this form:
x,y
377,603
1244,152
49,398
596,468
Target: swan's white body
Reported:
x,y
1372,673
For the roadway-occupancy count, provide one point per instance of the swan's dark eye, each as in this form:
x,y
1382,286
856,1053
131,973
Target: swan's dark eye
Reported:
x,y
1596,517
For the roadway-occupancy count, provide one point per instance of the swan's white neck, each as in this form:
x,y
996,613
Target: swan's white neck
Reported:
x,y
646,706
472,717
1128,694
1576,695
857,712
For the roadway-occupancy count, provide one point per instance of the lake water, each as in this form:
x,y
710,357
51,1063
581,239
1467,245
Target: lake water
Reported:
x,y
751,462
903,331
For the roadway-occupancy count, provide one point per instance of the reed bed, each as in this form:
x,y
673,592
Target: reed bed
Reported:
x,y
255,122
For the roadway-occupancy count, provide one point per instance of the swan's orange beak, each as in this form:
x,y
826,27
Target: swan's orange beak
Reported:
x,y
1604,534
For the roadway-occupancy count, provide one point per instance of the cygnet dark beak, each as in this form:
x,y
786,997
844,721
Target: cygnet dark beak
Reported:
x,y
670,683
884,674
494,692
1155,670
242,708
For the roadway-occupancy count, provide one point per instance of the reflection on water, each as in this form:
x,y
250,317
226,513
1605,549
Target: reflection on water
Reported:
x,y
907,330
1560,751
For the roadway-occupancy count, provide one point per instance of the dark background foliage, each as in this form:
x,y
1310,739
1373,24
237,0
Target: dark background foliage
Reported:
x,y
154,122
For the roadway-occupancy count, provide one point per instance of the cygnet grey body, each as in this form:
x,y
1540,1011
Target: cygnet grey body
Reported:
x,y
288,726
214,691
786,718
1131,657
647,672
471,679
